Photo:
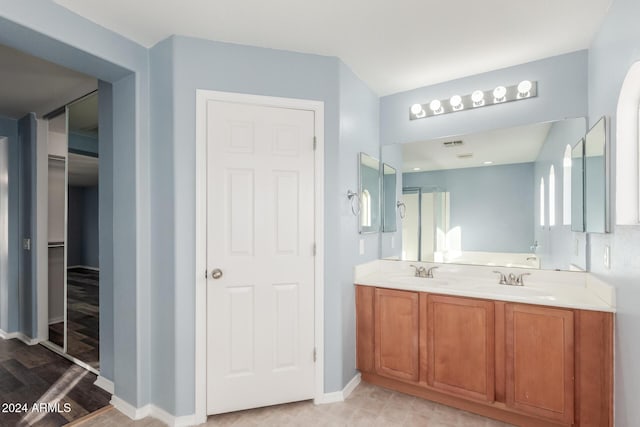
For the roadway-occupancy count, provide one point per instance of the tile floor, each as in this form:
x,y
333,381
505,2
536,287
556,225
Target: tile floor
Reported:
x,y
367,406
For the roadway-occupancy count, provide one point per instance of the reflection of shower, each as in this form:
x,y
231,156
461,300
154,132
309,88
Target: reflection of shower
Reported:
x,y
426,225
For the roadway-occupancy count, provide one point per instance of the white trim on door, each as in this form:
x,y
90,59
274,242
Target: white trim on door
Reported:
x,y
202,96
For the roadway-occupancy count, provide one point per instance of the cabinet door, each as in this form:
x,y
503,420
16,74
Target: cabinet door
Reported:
x,y
460,346
539,358
396,334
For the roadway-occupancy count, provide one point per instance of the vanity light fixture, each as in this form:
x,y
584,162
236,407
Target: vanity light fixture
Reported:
x,y
478,98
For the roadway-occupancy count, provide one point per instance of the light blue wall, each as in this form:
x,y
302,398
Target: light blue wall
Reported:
x,y
493,206
28,210
9,128
163,317
359,132
181,65
614,49
557,244
105,227
60,36
82,228
562,93
83,144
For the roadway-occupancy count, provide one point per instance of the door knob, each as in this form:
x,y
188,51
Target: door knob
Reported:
x,y
216,273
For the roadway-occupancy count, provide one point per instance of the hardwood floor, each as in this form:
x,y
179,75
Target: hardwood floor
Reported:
x,y
30,374
83,332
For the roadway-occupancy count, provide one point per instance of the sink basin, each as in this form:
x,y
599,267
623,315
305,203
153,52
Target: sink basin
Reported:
x,y
412,280
513,291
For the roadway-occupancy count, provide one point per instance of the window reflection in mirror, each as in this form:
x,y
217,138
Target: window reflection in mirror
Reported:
x,y
369,191
577,186
389,199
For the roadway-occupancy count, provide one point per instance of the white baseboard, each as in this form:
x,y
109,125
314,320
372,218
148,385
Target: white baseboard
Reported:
x,y
172,420
155,412
351,385
339,396
105,384
130,410
192,420
19,335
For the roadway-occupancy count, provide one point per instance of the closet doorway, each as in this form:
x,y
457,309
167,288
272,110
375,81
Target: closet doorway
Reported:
x,y
74,270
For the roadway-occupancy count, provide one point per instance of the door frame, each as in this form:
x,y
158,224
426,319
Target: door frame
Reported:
x,y
202,97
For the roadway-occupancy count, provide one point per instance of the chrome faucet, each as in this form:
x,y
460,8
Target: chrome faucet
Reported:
x,y
419,271
511,279
423,272
430,271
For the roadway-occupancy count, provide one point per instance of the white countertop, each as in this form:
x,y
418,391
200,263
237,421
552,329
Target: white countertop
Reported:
x,y
578,290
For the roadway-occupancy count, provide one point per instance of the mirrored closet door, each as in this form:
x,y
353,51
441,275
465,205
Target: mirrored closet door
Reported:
x,y
73,231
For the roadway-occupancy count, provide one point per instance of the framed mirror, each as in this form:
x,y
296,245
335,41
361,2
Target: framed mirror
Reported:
x,y
577,186
596,179
369,193
389,198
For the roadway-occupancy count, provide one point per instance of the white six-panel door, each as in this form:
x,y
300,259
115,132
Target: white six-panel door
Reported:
x,y
260,235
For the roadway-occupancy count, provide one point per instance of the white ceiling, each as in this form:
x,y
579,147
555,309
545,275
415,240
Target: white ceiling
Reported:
x,y
31,84
502,146
392,45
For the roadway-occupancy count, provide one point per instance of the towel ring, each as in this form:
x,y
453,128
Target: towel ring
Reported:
x,y
353,197
402,209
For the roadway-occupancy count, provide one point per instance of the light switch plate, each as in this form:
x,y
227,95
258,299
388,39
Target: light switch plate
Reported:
x,y
607,257
393,242
361,246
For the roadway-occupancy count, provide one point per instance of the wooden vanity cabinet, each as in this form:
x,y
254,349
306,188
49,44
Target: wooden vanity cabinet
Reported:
x,y
460,346
396,320
520,363
539,358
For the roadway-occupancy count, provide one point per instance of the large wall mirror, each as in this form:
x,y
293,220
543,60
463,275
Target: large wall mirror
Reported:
x,y
501,197
596,178
369,193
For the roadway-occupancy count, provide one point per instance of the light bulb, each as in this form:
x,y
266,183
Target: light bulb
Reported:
x,y
416,109
488,162
435,106
524,88
456,102
478,98
416,169
499,93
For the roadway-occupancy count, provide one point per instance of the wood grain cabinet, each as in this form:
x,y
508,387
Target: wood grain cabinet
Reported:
x,y
396,315
460,346
540,361
523,364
